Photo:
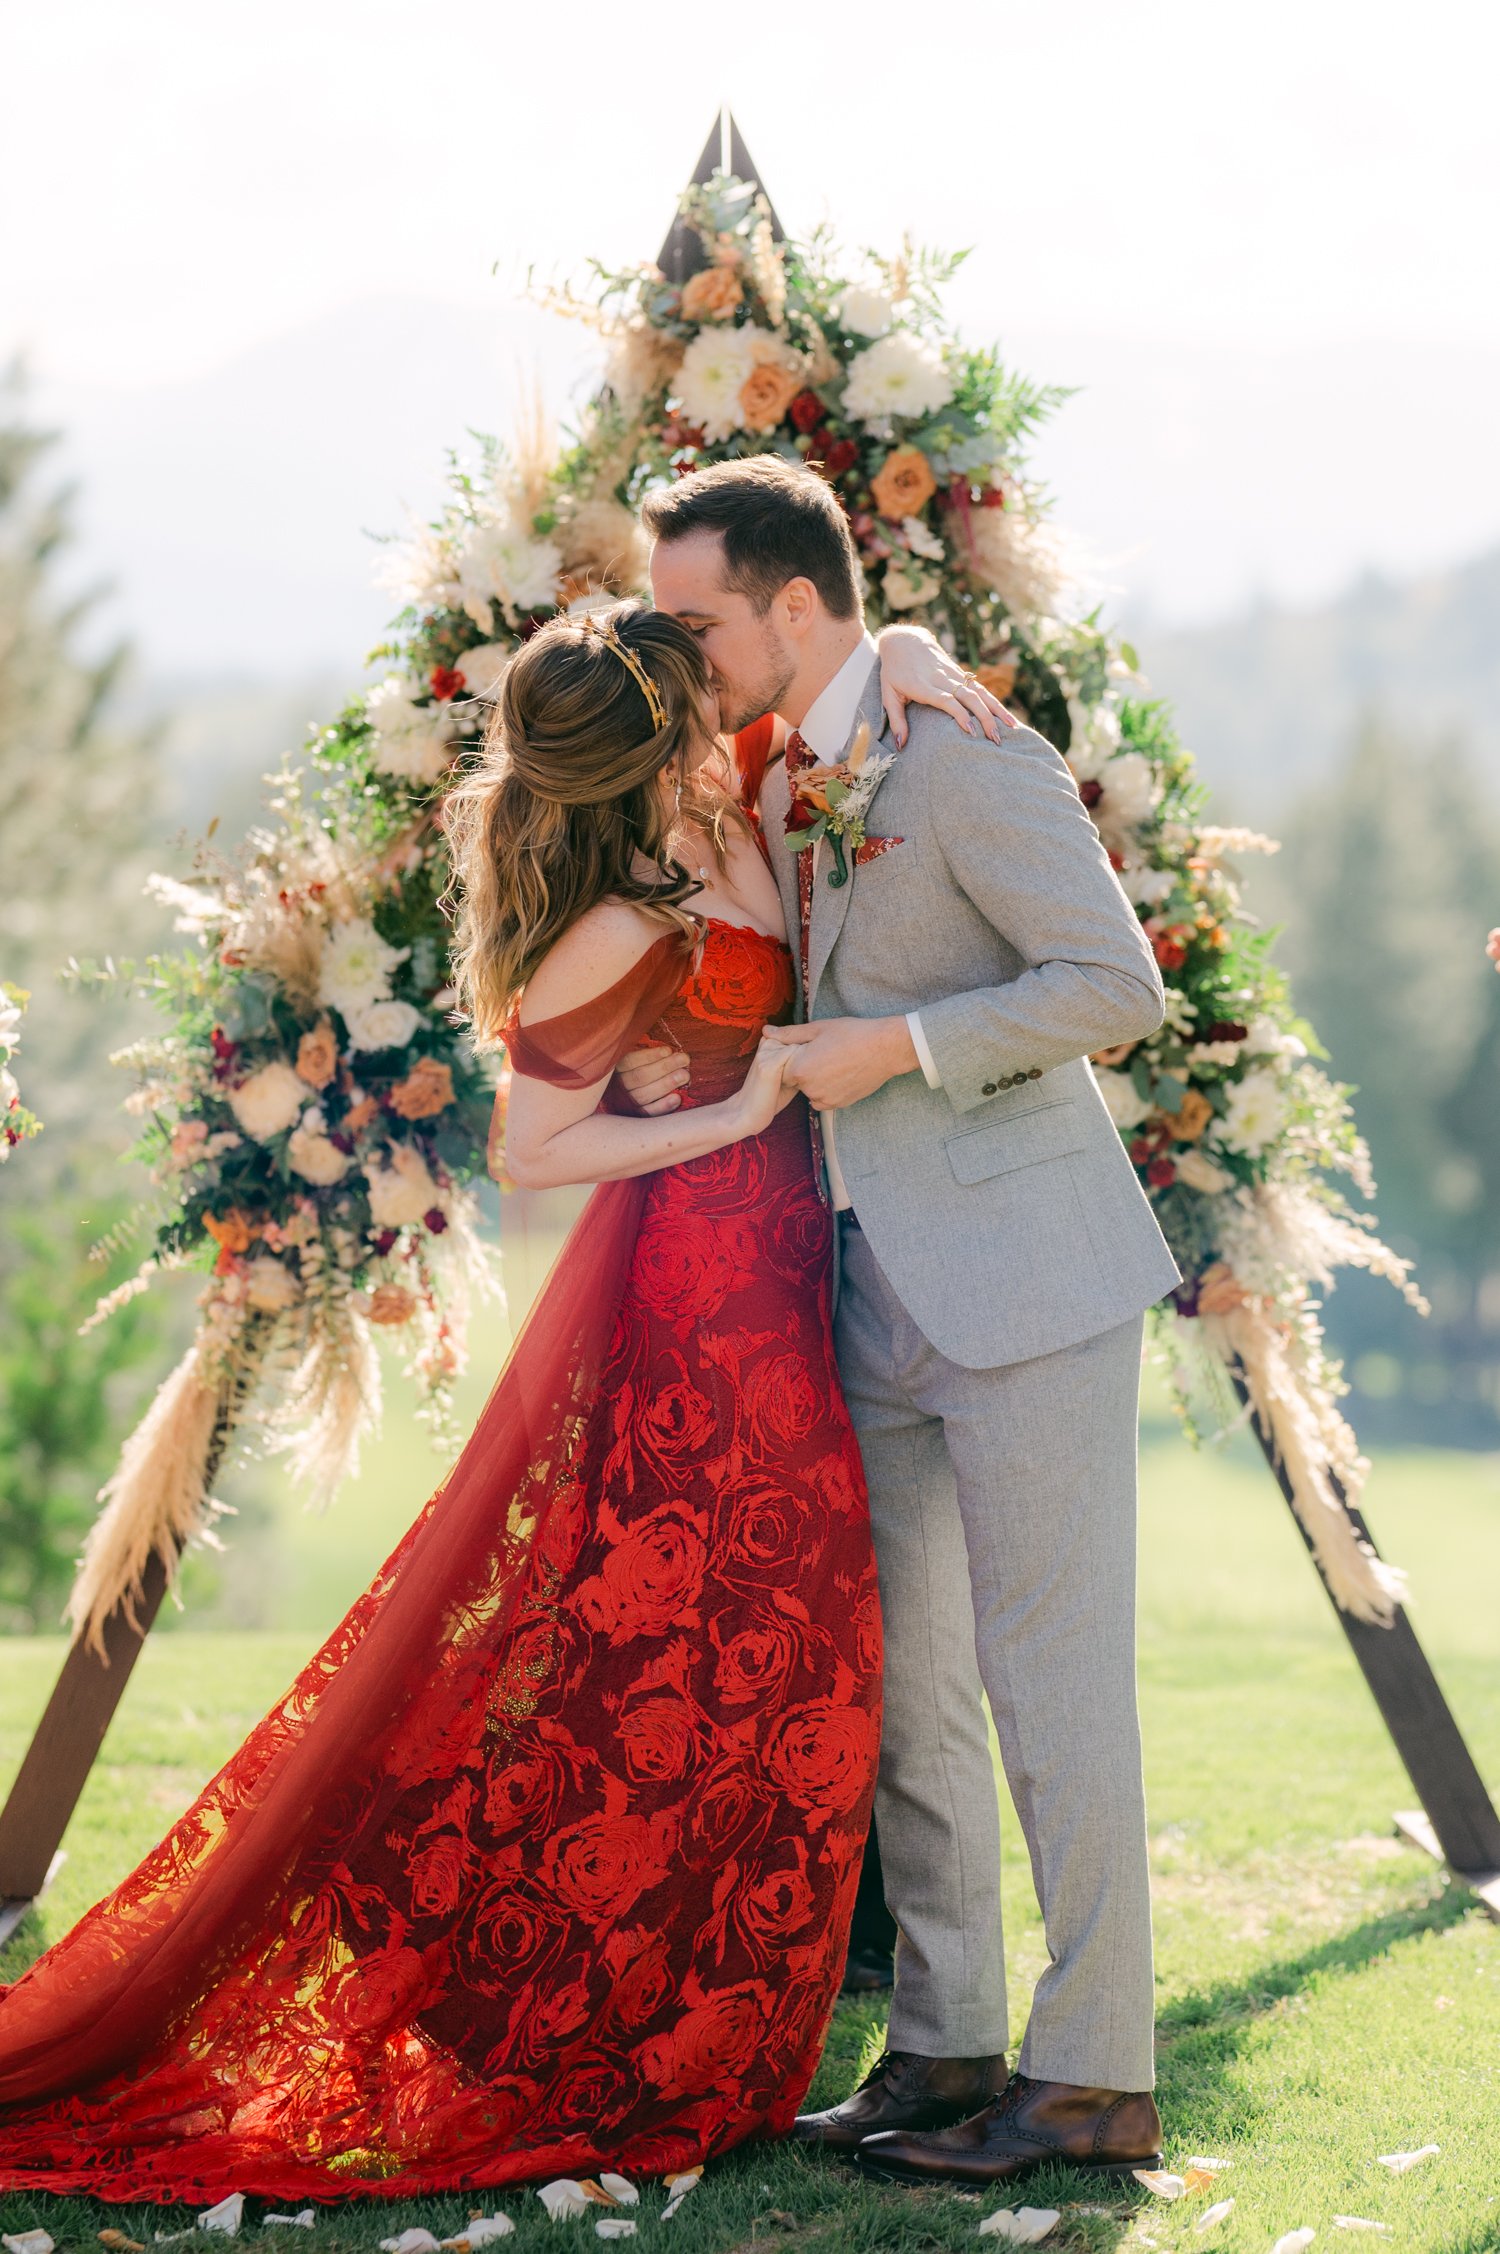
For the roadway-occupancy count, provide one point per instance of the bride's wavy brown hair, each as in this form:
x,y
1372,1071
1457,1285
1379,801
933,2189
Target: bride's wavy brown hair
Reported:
x,y
565,800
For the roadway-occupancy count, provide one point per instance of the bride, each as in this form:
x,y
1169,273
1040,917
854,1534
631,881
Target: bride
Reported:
x,y
546,1860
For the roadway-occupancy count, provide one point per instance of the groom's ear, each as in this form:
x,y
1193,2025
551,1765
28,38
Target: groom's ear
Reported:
x,y
800,606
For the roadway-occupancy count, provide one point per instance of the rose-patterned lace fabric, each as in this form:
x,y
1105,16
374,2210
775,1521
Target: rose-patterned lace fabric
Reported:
x,y
547,1858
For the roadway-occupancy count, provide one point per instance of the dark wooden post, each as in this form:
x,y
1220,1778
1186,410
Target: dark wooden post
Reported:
x,y
1461,1828
682,254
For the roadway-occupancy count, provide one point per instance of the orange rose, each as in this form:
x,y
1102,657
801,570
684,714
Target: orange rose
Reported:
x,y
1193,1115
231,1231
359,1115
904,483
427,1089
318,1055
712,295
392,1304
998,679
1218,1292
766,394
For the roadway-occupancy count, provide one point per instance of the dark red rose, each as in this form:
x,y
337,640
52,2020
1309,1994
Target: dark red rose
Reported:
x,y
1161,1173
806,411
763,1528
841,455
712,2046
683,1271
383,1241
601,1867
782,1404
378,1992
651,1578
992,497
524,1793
755,1665
437,1875
1091,792
1226,1029
730,1811
678,1423
641,1976
661,1737
508,1938
594,2090
445,681
435,1219
822,1756
771,1904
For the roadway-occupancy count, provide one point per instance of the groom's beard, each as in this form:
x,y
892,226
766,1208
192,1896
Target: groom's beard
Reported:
x,y
740,702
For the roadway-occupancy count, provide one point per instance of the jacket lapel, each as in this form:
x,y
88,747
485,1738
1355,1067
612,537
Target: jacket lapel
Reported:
x,y
830,904
775,797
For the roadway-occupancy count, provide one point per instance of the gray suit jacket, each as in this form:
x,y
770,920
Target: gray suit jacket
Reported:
x,y
1001,1207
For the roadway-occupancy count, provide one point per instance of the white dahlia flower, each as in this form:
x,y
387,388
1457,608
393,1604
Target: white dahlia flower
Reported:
x,y
900,375
1198,1170
707,385
310,1154
867,313
383,1025
1255,1116
1130,791
497,563
402,1192
268,1102
356,967
1126,1106
270,1286
411,740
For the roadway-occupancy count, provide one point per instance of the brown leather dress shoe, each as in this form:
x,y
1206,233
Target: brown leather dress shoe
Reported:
x,y
904,2091
1030,2125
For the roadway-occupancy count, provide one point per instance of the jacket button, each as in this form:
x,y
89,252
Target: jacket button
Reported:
x,y
988,1089
1035,1073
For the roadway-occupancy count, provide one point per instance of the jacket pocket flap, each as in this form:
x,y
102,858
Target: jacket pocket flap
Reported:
x,y
1025,1139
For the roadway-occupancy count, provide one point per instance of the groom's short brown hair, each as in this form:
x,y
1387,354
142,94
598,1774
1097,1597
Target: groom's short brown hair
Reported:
x,y
777,522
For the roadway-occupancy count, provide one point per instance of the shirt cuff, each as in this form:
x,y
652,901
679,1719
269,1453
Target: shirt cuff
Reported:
x,y
919,1042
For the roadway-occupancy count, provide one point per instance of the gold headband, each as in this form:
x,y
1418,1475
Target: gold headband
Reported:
x,y
604,628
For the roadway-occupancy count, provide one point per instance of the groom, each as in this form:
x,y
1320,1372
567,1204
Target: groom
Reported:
x,y
997,1255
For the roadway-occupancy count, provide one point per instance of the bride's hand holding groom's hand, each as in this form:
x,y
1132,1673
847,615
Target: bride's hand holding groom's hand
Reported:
x,y
837,1061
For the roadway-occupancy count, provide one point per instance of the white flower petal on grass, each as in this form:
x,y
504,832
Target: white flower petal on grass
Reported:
x,y
27,2242
1025,2226
480,2231
621,2188
1399,2162
303,2220
226,2217
415,2241
614,2226
1294,2242
688,2179
1161,2181
564,2198
1211,2217
169,2238
1361,2223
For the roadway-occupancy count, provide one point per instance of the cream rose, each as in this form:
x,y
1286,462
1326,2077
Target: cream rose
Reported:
x,y
1125,1105
1198,1170
402,1192
383,1025
311,1154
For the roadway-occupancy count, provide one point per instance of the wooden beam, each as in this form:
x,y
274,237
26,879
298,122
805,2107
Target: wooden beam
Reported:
x,y
1483,1885
682,254
68,1737
1412,1706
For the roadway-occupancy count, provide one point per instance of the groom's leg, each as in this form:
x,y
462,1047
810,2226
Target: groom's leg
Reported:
x,y
1045,1457
936,1805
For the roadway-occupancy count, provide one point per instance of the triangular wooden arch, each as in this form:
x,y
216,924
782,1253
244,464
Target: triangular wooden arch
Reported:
x,y
682,253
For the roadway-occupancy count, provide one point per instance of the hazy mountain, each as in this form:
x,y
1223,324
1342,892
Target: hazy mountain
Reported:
x,y
1270,702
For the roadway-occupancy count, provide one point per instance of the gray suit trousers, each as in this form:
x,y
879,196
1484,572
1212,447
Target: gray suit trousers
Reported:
x,y
1004,1510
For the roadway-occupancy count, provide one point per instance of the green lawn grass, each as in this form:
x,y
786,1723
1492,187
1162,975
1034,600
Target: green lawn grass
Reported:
x,y
1324,1997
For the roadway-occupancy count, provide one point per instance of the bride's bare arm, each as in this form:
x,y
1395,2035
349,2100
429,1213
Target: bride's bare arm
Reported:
x,y
916,669
557,1136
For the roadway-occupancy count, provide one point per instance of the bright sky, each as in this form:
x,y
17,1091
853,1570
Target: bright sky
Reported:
x,y
1263,237
200,178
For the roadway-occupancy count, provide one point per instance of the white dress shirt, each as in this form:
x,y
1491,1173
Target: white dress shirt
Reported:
x,y
826,729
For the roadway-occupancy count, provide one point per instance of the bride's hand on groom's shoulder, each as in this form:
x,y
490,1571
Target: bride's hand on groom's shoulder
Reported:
x,y
916,669
652,1077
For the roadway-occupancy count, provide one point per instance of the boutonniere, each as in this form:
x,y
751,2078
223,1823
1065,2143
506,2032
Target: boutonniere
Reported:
x,y
832,802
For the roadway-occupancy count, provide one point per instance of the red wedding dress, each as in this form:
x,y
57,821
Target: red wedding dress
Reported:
x,y
546,1860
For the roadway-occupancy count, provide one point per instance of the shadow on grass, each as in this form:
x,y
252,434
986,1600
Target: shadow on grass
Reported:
x,y
1201,2035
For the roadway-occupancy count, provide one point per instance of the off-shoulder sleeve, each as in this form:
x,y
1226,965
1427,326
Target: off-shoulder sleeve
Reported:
x,y
752,756
582,1046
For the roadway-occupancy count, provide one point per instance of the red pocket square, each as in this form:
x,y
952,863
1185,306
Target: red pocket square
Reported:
x,y
873,847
